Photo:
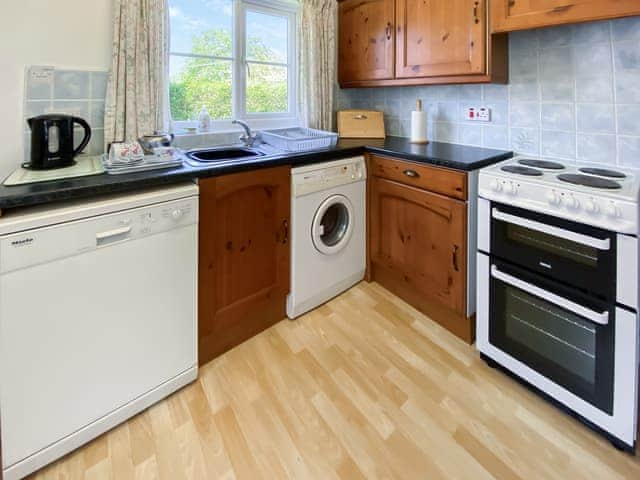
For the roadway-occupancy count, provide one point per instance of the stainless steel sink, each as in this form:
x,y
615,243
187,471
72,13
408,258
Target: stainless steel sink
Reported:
x,y
202,156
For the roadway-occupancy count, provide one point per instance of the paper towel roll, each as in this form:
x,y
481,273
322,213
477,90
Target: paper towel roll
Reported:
x,y
419,127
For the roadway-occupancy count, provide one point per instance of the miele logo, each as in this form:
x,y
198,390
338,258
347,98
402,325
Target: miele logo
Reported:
x,y
23,242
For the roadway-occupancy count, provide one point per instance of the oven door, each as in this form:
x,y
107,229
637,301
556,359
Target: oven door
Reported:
x,y
579,255
557,331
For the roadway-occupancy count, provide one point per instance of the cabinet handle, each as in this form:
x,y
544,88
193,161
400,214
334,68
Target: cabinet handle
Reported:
x,y
388,31
562,8
285,226
455,258
411,173
360,117
475,12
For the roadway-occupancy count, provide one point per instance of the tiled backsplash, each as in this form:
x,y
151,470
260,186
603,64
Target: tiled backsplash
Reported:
x,y
574,93
73,92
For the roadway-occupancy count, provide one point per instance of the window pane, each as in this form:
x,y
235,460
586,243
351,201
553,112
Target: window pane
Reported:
x,y
200,81
201,26
266,88
266,37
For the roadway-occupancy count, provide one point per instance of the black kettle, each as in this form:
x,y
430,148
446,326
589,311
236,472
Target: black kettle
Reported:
x,y
52,141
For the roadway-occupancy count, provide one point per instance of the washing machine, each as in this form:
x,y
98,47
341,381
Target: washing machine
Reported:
x,y
328,223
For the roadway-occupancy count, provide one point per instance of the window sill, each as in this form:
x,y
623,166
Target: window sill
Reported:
x,y
223,136
181,132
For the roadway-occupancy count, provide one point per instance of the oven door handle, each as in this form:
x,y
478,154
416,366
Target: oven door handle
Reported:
x,y
599,243
601,318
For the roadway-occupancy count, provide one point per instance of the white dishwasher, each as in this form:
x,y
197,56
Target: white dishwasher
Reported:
x,y
98,304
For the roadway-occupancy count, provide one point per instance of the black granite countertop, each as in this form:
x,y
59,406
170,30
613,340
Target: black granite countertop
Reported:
x,y
448,155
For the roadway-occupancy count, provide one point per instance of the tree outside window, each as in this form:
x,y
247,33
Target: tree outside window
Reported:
x,y
204,74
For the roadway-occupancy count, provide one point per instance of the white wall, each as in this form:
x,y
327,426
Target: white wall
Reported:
x,y
61,33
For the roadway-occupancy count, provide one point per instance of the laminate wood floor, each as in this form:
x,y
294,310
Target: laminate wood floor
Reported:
x,y
363,387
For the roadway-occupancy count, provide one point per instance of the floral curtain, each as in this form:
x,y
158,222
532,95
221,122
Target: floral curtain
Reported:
x,y
317,60
137,101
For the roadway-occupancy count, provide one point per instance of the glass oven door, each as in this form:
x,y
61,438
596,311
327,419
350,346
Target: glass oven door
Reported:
x,y
557,331
577,254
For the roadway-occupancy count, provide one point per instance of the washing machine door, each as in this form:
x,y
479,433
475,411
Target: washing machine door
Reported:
x,y
332,225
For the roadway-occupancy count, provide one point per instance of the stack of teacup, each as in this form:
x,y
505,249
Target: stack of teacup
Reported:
x,y
125,154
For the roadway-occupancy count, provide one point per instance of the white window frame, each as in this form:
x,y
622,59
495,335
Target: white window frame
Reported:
x,y
239,68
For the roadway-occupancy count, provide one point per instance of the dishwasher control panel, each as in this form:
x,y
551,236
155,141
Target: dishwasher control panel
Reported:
x,y
40,245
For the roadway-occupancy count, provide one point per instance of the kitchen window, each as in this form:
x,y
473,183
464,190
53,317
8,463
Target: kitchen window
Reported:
x,y
237,58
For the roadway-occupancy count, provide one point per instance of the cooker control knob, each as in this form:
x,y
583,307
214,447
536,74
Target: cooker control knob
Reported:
x,y
513,189
553,198
613,210
573,202
591,207
495,185
177,214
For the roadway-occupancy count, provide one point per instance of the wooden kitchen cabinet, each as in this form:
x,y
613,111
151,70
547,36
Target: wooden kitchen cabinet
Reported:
x,y
418,242
243,257
415,42
366,40
510,15
440,38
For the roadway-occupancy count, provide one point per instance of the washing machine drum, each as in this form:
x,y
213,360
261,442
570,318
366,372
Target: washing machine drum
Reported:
x,y
332,225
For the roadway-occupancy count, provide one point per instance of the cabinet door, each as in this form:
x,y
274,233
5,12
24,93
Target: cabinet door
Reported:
x,y
508,15
436,38
244,257
420,238
365,45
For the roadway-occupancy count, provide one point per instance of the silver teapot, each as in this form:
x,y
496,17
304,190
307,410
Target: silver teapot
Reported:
x,y
158,139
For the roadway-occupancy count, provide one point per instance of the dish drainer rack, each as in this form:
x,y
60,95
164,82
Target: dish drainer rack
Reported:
x,y
299,139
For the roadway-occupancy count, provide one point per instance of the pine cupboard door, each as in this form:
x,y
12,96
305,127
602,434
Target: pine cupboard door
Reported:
x,y
243,257
365,40
509,15
418,239
438,38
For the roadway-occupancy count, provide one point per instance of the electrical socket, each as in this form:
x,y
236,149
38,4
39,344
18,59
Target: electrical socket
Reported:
x,y
477,114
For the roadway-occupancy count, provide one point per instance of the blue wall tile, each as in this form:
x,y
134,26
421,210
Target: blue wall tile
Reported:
x,y
446,132
558,116
524,114
626,29
38,83
591,33
626,55
70,84
470,134
628,123
558,144
596,118
495,136
596,148
594,88
629,151
99,84
495,93
525,140
628,86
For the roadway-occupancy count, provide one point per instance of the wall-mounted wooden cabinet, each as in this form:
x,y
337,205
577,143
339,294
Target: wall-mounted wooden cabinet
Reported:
x,y
440,38
414,42
244,257
510,15
366,39
418,238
